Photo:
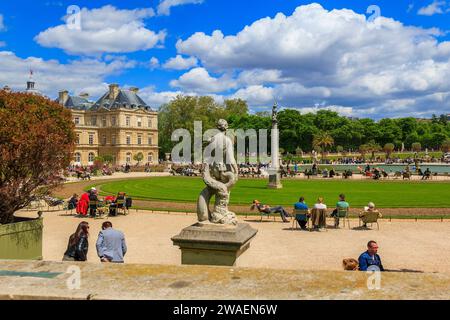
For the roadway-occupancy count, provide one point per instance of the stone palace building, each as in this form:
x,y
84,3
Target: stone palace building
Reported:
x,y
120,124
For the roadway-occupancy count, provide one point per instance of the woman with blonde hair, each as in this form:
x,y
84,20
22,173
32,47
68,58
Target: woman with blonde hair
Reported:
x,y
320,204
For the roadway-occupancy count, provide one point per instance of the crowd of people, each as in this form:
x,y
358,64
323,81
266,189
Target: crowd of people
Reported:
x,y
318,222
89,203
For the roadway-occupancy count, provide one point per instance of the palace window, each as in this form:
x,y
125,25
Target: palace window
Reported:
x,y
139,140
128,139
128,157
139,122
104,121
94,120
128,121
104,139
77,157
150,124
77,139
91,157
113,120
76,120
149,141
113,139
150,158
91,139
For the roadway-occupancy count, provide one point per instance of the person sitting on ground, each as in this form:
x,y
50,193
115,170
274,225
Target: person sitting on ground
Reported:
x,y
370,260
370,208
341,204
111,245
78,246
268,210
350,264
301,205
72,203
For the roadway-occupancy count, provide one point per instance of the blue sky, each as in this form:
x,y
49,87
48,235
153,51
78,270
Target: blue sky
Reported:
x,y
306,55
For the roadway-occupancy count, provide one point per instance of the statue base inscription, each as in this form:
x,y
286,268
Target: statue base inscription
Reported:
x,y
212,244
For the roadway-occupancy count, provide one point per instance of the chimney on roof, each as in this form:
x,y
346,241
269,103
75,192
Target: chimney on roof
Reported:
x,y
134,90
7,89
84,95
63,97
113,91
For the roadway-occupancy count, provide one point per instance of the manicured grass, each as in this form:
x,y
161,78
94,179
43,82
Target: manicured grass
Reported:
x,y
385,194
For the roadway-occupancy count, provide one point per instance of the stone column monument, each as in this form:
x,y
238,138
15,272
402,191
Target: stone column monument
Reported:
x,y
217,238
274,170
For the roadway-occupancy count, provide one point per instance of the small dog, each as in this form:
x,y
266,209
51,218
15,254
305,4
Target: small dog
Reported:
x,y
350,264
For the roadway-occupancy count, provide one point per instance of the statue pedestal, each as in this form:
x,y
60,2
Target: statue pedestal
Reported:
x,y
214,245
275,181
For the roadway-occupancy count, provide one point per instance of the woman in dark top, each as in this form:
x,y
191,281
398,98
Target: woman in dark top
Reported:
x,y
78,246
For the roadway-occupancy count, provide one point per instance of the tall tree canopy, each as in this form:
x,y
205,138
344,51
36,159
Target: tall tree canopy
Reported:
x,y
297,130
36,143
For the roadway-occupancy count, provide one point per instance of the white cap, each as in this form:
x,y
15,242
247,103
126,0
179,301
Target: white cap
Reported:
x,y
371,205
93,189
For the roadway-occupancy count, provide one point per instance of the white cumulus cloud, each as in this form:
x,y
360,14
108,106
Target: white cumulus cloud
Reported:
x,y
199,80
165,6
436,7
180,63
104,30
51,76
335,56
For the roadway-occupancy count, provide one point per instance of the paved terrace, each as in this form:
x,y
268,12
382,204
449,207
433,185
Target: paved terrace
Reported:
x,y
48,280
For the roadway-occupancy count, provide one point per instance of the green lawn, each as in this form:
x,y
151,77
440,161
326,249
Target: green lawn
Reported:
x,y
385,194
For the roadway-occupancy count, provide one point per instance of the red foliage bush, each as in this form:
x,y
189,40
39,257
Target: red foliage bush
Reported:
x,y
37,139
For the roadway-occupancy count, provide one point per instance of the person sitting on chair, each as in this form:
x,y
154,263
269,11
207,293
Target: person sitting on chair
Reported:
x,y
426,174
92,197
341,204
370,208
72,203
301,205
268,210
332,173
319,204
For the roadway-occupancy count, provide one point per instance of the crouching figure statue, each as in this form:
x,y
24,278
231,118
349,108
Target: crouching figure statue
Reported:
x,y
220,174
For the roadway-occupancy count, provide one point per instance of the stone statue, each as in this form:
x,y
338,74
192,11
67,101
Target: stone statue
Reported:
x,y
275,114
220,174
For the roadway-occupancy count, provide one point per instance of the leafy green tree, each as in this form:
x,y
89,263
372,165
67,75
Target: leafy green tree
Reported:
x,y
416,147
138,157
388,149
323,140
445,147
108,158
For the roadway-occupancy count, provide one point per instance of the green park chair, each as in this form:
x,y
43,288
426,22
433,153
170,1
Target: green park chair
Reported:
x,y
342,214
370,217
300,215
120,203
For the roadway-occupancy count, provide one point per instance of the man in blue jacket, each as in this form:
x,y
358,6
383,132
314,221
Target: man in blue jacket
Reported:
x,y
370,258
